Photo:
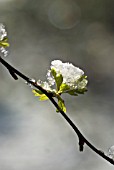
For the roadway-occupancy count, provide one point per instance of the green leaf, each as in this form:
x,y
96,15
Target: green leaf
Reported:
x,y
61,105
4,44
41,95
64,87
37,92
73,92
53,71
81,78
58,78
81,91
5,39
77,91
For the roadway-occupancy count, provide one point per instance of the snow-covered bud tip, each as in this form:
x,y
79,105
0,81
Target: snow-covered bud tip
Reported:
x,y
72,76
3,41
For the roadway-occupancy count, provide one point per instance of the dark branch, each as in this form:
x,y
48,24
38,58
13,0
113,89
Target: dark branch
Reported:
x,y
82,140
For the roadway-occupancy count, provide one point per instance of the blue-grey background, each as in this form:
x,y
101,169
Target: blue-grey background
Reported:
x,y
32,135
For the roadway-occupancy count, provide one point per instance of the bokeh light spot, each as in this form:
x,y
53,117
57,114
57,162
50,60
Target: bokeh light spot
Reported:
x,y
64,14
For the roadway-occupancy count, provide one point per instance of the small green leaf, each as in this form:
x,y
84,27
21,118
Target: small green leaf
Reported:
x,y
73,92
53,71
63,88
58,78
82,84
81,78
61,105
4,44
5,39
41,95
37,92
81,91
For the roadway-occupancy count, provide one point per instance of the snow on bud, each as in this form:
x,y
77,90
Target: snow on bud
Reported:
x,y
3,51
3,41
3,32
45,85
111,152
62,78
71,74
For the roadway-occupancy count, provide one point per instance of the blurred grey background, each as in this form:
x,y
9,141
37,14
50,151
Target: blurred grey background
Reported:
x,y
32,135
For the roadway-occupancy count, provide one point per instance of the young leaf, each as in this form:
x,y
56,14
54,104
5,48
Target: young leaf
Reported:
x,y
82,78
53,71
61,105
64,87
58,78
5,39
73,92
81,91
37,92
82,84
4,44
41,95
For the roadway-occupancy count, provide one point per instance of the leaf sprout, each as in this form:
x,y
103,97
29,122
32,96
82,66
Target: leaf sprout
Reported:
x,y
62,78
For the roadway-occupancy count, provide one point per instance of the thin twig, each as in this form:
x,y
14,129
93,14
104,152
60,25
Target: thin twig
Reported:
x,y
82,139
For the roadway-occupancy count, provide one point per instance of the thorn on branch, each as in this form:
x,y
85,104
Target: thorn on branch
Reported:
x,y
13,74
81,144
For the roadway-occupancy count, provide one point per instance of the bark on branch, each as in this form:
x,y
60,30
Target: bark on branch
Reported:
x,y
82,140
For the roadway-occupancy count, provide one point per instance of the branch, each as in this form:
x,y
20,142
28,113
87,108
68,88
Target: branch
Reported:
x,y
82,140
